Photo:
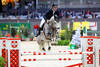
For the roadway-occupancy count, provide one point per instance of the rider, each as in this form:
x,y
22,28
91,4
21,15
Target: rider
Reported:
x,y
52,12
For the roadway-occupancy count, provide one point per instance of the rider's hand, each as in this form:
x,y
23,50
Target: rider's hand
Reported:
x,y
47,22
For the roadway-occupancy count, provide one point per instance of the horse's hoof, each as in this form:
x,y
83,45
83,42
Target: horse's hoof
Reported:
x,y
49,48
43,49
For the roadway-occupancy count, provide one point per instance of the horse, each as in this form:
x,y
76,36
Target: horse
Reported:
x,y
48,34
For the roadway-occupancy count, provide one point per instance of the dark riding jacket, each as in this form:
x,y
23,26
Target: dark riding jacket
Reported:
x,y
49,14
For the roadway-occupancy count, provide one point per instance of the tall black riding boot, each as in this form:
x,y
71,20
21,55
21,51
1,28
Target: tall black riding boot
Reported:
x,y
38,32
40,29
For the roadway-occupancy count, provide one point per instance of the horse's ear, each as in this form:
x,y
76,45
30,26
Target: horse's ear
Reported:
x,y
55,16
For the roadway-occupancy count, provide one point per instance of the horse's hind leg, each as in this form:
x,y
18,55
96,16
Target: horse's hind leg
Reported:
x,y
49,45
45,45
42,47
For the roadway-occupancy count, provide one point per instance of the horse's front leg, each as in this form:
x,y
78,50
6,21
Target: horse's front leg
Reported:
x,y
40,47
54,39
45,45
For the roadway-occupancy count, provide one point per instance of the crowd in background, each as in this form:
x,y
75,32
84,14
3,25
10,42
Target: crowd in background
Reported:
x,y
29,12
79,15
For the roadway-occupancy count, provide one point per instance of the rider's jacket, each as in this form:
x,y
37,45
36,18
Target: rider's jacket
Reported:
x,y
50,13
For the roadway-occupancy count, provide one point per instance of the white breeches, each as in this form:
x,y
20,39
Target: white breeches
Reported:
x,y
42,22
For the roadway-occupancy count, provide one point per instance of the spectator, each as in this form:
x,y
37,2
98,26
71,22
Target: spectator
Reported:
x,y
36,27
93,15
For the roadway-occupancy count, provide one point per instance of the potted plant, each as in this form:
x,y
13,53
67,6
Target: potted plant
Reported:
x,y
26,33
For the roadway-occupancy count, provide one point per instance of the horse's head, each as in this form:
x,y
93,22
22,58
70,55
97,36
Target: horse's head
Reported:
x,y
54,18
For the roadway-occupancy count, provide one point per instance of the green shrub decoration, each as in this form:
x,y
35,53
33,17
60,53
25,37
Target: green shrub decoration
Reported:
x,y
0,33
2,62
65,36
63,42
62,34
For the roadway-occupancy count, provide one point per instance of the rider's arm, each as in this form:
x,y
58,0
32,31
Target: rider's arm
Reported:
x,y
57,13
